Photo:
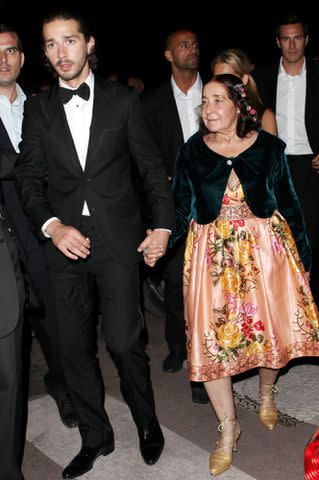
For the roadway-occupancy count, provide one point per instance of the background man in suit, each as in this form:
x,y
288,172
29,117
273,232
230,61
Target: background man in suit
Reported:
x,y
12,100
290,88
11,305
171,114
75,174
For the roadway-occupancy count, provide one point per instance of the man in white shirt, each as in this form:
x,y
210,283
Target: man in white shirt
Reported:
x,y
291,90
171,112
75,174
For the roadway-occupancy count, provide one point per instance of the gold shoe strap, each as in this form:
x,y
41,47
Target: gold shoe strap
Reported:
x,y
273,390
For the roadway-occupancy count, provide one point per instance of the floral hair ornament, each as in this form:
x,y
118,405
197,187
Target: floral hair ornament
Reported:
x,y
240,89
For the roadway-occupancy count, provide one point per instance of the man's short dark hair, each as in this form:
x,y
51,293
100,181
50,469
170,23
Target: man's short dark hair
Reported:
x,y
8,29
291,18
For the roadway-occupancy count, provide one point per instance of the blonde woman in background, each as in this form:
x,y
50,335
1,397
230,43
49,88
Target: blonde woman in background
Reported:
x,y
236,62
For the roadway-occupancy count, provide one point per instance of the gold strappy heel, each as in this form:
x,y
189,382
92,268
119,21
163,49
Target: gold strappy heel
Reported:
x,y
268,414
222,455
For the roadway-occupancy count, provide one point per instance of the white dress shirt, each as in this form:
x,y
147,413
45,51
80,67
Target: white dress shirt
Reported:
x,y
187,106
12,115
290,111
79,117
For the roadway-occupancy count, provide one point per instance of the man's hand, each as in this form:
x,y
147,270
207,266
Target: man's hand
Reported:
x,y
68,240
154,246
315,163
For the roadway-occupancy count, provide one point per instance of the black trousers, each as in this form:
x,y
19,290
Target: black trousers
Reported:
x,y
122,323
172,273
11,420
11,399
44,325
306,183
43,322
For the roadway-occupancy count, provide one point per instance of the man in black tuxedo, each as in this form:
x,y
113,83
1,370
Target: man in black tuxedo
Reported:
x,y
75,175
171,114
31,255
290,88
11,318
12,298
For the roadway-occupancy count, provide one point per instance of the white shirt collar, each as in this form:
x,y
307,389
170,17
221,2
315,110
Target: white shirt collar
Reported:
x,y
89,80
302,73
196,86
20,98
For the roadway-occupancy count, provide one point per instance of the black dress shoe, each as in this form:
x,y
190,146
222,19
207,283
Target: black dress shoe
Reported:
x,y
174,362
84,460
66,411
199,394
151,442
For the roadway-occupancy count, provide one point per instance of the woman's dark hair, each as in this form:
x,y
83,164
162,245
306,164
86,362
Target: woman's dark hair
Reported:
x,y
240,63
83,28
247,118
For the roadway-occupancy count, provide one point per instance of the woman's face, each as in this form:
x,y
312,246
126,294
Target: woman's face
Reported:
x,y
219,113
221,68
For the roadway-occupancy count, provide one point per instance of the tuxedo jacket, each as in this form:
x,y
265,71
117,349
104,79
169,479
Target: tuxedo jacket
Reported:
x,y
266,79
53,183
9,294
162,119
29,247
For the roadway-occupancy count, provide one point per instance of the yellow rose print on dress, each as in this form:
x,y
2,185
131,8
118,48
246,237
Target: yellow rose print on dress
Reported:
x,y
229,335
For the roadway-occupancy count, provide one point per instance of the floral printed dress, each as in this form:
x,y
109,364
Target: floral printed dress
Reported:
x,y
250,306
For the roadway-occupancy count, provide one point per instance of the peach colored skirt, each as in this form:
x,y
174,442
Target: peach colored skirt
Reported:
x,y
247,299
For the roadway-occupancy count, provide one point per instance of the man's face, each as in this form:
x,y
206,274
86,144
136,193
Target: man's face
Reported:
x,y
11,59
67,50
183,51
292,42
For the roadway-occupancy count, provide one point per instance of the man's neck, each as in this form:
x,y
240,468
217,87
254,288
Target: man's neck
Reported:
x,y
10,92
185,79
293,68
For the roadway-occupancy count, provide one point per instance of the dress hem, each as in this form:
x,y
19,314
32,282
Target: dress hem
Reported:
x,y
264,360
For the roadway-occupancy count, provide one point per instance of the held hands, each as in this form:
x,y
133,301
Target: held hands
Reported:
x,y
315,163
154,246
68,240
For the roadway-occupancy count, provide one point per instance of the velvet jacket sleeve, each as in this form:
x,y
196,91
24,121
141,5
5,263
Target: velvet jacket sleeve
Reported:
x,y
289,207
182,195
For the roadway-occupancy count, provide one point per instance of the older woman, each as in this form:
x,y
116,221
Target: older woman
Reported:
x,y
246,242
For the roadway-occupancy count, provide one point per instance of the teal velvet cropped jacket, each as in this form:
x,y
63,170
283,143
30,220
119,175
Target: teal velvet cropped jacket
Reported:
x,y
201,175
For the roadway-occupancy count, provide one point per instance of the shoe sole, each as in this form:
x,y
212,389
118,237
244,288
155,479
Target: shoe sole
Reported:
x,y
107,451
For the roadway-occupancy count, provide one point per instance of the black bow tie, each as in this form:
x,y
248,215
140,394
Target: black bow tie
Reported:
x,y
66,93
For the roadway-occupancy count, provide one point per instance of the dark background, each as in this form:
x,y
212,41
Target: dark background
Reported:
x,y
131,37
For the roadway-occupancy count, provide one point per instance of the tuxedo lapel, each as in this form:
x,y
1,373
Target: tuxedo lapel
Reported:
x,y
55,114
5,142
102,96
168,100
273,86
